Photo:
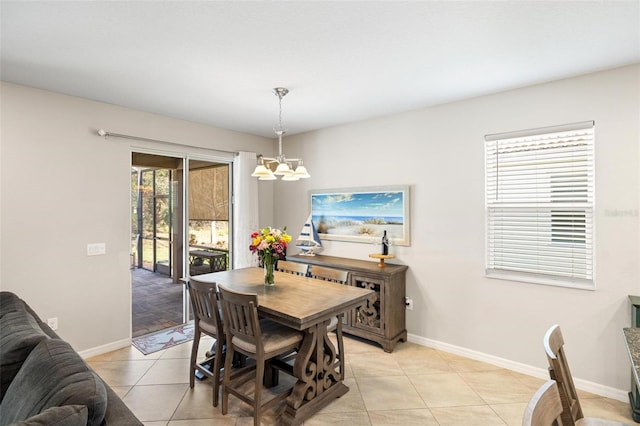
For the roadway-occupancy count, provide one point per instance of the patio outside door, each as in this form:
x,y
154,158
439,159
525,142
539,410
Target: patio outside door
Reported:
x,y
163,235
153,218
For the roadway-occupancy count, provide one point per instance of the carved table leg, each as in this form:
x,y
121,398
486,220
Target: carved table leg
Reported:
x,y
318,381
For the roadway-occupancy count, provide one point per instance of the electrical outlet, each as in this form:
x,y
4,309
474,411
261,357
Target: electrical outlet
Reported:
x,y
408,303
53,323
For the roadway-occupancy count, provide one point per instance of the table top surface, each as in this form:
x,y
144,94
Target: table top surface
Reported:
x,y
296,301
632,338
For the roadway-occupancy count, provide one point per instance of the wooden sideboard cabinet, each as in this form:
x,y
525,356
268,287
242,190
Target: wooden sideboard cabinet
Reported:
x,y
382,319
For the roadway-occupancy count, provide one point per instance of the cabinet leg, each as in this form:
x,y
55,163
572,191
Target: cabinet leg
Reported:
x,y
635,409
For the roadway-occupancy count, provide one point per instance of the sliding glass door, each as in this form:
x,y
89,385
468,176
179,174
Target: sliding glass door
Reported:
x,y
179,226
208,213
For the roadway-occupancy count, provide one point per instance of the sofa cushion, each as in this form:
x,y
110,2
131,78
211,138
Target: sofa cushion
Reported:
x,y
10,302
67,415
53,375
19,334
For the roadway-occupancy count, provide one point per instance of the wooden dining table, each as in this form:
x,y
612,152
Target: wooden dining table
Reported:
x,y
308,305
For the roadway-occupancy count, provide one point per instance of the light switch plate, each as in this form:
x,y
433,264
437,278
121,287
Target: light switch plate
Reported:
x,y
96,249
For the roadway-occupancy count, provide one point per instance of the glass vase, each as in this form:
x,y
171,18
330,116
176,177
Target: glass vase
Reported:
x,y
269,266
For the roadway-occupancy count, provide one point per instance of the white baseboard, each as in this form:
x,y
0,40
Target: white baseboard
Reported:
x,y
99,350
584,385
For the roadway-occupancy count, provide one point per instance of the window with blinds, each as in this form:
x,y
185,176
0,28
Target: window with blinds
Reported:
x,y
539,201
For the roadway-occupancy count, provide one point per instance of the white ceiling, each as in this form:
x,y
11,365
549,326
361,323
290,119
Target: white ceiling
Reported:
x,y
215,62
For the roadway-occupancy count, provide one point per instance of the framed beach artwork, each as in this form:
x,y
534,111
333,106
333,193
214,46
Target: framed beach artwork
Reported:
x,y
362,214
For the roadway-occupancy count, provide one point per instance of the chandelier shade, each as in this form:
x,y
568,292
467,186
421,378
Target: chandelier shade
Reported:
x,y
301,171
269,168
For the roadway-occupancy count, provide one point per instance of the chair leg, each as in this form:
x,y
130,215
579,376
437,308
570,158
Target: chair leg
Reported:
x,y
257,395
194,355
227,378
216,371
340,355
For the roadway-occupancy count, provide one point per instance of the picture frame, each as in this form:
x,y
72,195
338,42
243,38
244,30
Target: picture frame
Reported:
x,y
362,214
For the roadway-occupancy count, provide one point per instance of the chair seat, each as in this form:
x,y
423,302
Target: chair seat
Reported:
x,y
274,337
212,328
208,328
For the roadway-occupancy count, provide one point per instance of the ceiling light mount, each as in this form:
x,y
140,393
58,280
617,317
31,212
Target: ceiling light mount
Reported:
x,y
268,168
280,92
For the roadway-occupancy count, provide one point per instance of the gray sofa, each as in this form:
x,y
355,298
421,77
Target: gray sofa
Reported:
x,y
43,381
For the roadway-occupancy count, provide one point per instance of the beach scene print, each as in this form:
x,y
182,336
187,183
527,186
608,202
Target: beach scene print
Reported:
x,y
359,216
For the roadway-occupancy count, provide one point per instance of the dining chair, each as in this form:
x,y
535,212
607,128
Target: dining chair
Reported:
x,y
207,320
260,339
329,274
336,276
545,407
560,372
292,267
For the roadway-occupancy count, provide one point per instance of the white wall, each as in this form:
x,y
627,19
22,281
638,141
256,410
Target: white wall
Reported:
x,y
439,151
62,187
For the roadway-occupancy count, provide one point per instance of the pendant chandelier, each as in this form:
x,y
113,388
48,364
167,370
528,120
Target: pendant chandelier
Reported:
x,y
269,168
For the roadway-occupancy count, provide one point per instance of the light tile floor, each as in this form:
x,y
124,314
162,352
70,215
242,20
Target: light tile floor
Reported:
x,y
414,385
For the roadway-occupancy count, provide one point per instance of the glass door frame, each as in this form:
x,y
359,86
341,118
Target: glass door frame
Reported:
x,y
186,155
139,261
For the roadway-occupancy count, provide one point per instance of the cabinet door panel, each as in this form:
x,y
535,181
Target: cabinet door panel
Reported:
x,y
369,316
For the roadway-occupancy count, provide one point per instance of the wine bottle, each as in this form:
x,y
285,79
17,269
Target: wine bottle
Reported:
x,y
385,243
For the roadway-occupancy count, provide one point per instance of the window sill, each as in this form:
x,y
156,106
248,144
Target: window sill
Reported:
x,y
578,284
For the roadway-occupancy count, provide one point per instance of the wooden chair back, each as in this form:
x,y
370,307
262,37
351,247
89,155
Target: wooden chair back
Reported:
x,y
545,407
560,372
241,319
329,274
293,267
204,304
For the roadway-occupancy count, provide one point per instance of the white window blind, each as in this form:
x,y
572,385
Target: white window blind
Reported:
x,y
539,200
